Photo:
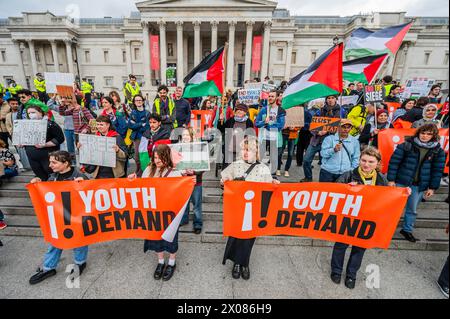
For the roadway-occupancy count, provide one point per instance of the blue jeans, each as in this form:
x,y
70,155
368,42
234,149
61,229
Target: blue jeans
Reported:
x,y
51,258
70,140
327,177
290,145
196,200
411,208
308,159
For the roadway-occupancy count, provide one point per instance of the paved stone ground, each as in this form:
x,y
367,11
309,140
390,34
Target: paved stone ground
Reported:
x,y
120,269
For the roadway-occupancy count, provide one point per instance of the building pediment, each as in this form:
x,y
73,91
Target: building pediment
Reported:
x,y
193,4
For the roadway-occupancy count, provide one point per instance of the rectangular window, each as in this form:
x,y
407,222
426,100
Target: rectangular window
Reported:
x,y
38,58
313,56
427,58
3,53
106,56
280,52
294,58
124,56
109,81
87,56
446,59
137,54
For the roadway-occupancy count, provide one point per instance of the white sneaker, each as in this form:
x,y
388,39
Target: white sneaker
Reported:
x,y
444,181
278,173
286,174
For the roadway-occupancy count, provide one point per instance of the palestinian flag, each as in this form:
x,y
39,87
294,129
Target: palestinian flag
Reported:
x,y
322,78
364,42
144,156
207,78
363,69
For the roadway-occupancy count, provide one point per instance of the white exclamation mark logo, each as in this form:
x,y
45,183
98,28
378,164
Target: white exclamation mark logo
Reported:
x,y
50,199
247,225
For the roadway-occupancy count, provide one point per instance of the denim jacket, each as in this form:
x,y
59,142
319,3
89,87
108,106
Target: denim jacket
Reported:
x,y
340,162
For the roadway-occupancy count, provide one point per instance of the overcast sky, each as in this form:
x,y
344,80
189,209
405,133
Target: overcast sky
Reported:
x,y
120,8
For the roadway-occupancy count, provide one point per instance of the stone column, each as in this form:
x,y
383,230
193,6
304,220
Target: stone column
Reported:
x,y
214,26
273,52
197,55
128,56
406,50
287,72
69,55
230,62
163,45
180,60
55,54
21,79
33,60
145,55
248,51
265,55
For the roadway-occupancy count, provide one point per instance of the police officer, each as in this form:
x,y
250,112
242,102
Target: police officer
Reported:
x,y
131,89
87,89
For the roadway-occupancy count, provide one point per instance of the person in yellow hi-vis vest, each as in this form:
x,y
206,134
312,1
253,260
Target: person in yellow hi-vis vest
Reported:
x,y
165,107
2,89
87,89
387,82
14,88
131,89
39,84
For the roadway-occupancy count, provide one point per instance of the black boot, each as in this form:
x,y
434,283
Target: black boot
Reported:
x,y
236,273
158,271
245,273
41,275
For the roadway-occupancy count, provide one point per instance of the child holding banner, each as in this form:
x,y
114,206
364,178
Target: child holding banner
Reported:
x,y
367,173
162,166
248,168
418,163
60,164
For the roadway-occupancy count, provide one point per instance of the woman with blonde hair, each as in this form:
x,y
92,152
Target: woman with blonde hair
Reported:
x,y
249,169
367,173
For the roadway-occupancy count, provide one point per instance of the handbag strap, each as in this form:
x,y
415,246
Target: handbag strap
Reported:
x,y
250,169
168,172
346,151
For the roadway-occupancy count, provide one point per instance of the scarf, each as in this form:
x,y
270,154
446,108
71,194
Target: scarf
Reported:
x,y
428,145
365,176
241,119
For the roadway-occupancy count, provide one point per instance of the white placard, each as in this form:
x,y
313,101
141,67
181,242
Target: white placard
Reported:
x,y
29,132
344,100
417,87
97,150
52,79
191,156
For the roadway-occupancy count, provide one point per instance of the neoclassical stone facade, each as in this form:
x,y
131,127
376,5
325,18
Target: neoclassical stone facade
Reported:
x,y
106,50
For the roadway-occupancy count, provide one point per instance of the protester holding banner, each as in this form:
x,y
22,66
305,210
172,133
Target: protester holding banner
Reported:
x,y
38,154
340,153
249,169
434,94
26,99
81,116
161,166
330,110
155,135
197,195
430,113
367,173
369,135
60,164
239,123
407,105
105,128
138,122
418,163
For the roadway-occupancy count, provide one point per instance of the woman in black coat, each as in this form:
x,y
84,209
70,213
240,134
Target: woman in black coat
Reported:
x,y
38,154
367,173
369,135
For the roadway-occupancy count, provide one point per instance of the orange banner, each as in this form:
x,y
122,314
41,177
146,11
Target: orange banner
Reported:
x,y
200,121
389,139
334,212
328,124
74,214
391,108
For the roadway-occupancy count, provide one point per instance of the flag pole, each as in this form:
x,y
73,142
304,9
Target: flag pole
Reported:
x,y
225,65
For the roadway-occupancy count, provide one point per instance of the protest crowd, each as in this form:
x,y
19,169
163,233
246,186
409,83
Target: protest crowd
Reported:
x,y
255,138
